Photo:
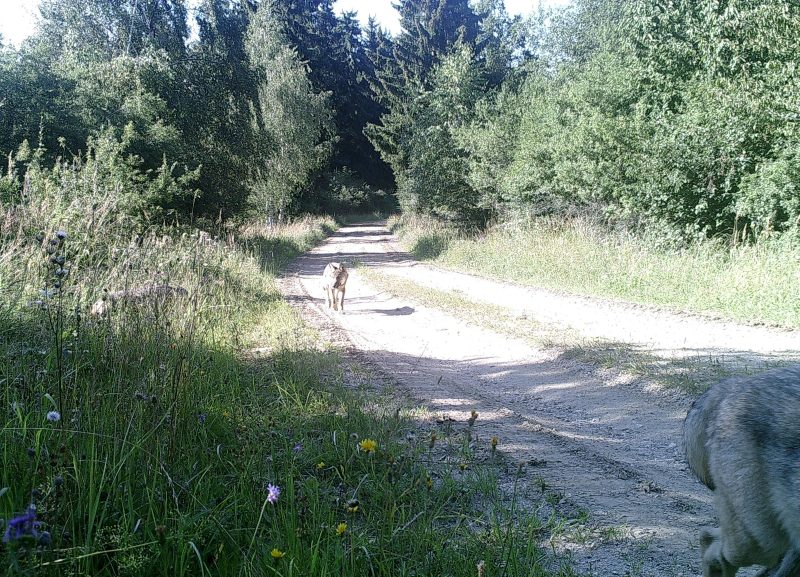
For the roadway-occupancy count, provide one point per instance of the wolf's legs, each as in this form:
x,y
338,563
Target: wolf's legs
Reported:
x,y
789,566
341,299
714,564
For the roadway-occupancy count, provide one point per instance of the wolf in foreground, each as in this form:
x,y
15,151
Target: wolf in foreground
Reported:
x,y
334,279
742,440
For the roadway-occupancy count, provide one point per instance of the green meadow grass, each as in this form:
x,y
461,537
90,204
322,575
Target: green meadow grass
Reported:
x,y
145,442
747,283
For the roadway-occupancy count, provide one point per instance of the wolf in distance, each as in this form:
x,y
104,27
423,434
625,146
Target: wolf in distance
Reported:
x,y
334,280
742,440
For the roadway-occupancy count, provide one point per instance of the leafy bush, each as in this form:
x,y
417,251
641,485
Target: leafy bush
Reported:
x,y
770,197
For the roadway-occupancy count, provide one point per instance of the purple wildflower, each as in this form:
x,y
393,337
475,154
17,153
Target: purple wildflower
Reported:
x,y
61,235
298,447
53,416
23,525
201,418
274,493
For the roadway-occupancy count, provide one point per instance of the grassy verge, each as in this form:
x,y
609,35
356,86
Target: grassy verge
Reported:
x,y
751,284
211,435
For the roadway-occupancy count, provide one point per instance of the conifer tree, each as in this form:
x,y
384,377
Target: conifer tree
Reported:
x,y
406,84
215,110
429,30
333,49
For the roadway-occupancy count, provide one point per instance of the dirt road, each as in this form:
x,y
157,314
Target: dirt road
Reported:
x,y
606,445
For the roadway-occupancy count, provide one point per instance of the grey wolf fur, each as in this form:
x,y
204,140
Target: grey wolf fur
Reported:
x,y
334,280
151,293
742,440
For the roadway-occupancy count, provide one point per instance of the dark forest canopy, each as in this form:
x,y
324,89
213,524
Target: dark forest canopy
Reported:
x,y
679,116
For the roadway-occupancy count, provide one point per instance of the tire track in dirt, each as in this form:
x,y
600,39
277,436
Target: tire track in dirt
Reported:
x,y
604,446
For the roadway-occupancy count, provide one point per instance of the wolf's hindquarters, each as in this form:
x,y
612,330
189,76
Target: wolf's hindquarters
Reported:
x,y
742,440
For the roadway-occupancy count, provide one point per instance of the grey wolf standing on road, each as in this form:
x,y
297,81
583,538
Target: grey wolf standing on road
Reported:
x,y
742,440
334,279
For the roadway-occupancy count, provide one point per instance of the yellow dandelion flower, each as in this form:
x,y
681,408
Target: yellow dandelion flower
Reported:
x,y
277,553
368,445
321,465
226,414
341,528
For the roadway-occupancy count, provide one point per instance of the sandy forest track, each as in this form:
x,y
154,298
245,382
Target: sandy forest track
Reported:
x,y
607,445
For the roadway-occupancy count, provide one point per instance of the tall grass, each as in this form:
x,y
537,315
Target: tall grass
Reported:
x,y
747,283
145,442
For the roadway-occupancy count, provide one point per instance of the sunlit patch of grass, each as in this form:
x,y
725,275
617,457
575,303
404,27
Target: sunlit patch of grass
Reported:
x,y
151,465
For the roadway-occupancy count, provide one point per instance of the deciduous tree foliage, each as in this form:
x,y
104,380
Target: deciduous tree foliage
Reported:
x,y
290,122
676,116
335,53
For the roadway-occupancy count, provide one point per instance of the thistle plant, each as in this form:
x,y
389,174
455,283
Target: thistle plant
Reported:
x,y
56,277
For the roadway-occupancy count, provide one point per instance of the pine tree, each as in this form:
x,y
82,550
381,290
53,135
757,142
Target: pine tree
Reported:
x,y
402,81
216,105
430,28
333,49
